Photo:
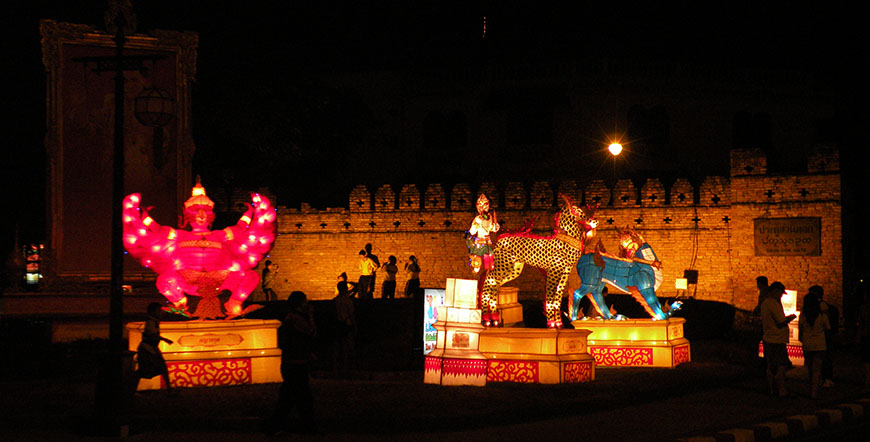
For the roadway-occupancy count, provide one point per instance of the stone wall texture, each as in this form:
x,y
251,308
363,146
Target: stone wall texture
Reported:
x,y
708,229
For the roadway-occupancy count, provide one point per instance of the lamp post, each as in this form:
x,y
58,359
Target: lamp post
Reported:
x,y
112,401
113,396
119,16
154,108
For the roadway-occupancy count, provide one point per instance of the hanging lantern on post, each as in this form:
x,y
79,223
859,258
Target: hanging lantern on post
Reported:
x,y
155,108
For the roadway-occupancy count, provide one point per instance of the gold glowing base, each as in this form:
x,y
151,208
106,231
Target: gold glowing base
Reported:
x,y
212,353
637,342
469,354
509,306
544,356
456,359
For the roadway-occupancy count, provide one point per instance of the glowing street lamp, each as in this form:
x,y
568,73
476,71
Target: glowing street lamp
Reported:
x,y
615,148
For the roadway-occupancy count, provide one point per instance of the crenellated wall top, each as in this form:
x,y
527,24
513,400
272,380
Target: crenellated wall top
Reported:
x,y
749,183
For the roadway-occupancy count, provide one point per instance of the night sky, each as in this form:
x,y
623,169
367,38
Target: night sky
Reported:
x,y
257,61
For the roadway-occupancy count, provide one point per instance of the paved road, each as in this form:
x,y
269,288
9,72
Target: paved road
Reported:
x,y
693,400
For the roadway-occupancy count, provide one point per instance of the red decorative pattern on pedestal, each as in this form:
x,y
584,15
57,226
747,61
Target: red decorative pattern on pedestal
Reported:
x,y
794,351
464,367
432,364
681,354
622,356
512,371
210,373
577,372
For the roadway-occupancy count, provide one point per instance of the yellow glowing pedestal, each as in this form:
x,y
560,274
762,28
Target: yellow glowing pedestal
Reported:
x,y
211,353
544,356
456,359
637,342
508,305
466,353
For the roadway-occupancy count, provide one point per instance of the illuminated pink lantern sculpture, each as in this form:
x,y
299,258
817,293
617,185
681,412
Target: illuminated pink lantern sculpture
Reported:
x,y
202,262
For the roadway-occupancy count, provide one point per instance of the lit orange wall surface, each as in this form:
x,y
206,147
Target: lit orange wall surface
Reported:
x,y
716,233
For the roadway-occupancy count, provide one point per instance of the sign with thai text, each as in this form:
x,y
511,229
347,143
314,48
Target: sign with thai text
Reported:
x,y
788,237
211,340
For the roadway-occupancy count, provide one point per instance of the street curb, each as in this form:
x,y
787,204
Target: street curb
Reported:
x,y
792,425
770,430
802,423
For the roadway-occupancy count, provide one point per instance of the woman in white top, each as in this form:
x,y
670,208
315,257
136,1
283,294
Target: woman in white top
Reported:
x,y
811,332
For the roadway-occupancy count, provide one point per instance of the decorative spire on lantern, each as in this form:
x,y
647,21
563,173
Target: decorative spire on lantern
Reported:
x,y
198,196
482,203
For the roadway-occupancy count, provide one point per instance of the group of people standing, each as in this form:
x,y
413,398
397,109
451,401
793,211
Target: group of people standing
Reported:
x,y
817,331
369,264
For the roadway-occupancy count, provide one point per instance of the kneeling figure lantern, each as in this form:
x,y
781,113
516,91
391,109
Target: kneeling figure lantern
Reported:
x,y
202,262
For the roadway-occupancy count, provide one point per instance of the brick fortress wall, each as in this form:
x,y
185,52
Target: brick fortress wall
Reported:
x,y
708,229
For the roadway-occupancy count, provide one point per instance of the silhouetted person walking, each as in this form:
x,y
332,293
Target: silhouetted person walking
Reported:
x,y
151,362
833,314
775,338
295,338
813,325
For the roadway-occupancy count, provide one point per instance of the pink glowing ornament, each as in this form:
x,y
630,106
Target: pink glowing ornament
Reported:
x,y
202,262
